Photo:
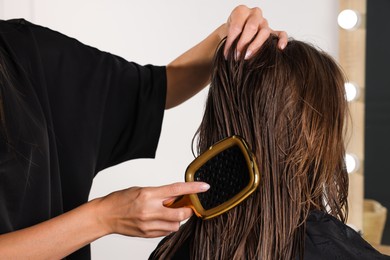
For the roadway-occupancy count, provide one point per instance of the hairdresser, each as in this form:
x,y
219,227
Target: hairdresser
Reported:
x,y
69,111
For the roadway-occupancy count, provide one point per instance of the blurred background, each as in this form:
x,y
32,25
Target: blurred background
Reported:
x,y
156,32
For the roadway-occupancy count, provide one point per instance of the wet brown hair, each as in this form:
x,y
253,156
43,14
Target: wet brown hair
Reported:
x,y
290,107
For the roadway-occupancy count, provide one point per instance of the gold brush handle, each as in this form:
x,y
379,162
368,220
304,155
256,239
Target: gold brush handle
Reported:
x,y
179,202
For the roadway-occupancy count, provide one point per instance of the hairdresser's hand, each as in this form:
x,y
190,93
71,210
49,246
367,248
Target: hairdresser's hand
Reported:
x,y
190,72
250,23
140,212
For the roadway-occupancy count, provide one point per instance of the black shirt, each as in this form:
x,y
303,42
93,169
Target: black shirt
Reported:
x,y
72,111
326,238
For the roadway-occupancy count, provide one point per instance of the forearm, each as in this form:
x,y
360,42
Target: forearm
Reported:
x,y
134,211
190,72
55,238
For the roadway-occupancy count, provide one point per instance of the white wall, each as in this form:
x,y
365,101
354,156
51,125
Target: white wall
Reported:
x,y
156,31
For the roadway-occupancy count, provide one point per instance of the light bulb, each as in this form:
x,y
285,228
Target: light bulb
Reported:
x,y
352,162
351,91
348,19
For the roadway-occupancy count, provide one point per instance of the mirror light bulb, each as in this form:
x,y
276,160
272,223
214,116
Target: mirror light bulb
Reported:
x,y
351,91
352,162
348,19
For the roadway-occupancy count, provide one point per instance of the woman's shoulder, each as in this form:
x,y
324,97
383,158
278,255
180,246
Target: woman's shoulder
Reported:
x,y
330,238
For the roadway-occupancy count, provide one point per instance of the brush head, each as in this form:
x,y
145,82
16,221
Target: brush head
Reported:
x,y
230,169
227,173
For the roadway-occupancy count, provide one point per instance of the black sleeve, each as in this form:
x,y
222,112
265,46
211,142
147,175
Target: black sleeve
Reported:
x,y
104,109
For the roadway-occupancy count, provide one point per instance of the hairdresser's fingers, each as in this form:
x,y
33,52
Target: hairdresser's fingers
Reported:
x,y
249,22
260,38
175,215
159,228
283,39
163,223
169,200
255,28
181,188
235,24
133,211
155,234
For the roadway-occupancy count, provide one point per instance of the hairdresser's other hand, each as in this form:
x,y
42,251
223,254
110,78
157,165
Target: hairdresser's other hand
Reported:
x,y
250,23
140,212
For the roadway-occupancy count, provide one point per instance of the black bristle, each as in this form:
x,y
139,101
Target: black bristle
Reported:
x,y
227,173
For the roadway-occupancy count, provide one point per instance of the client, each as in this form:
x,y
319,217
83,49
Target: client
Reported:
x,y
290,106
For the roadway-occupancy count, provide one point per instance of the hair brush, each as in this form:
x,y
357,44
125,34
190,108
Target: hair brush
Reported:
x,y
231,170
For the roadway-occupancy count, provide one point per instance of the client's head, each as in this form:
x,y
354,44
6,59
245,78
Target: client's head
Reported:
x,y
289,105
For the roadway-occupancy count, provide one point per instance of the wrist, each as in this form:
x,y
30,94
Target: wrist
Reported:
x,y
99,218
221,31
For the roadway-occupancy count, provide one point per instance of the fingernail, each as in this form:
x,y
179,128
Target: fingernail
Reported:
x,y
282,46
237,55
205,187
248,54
